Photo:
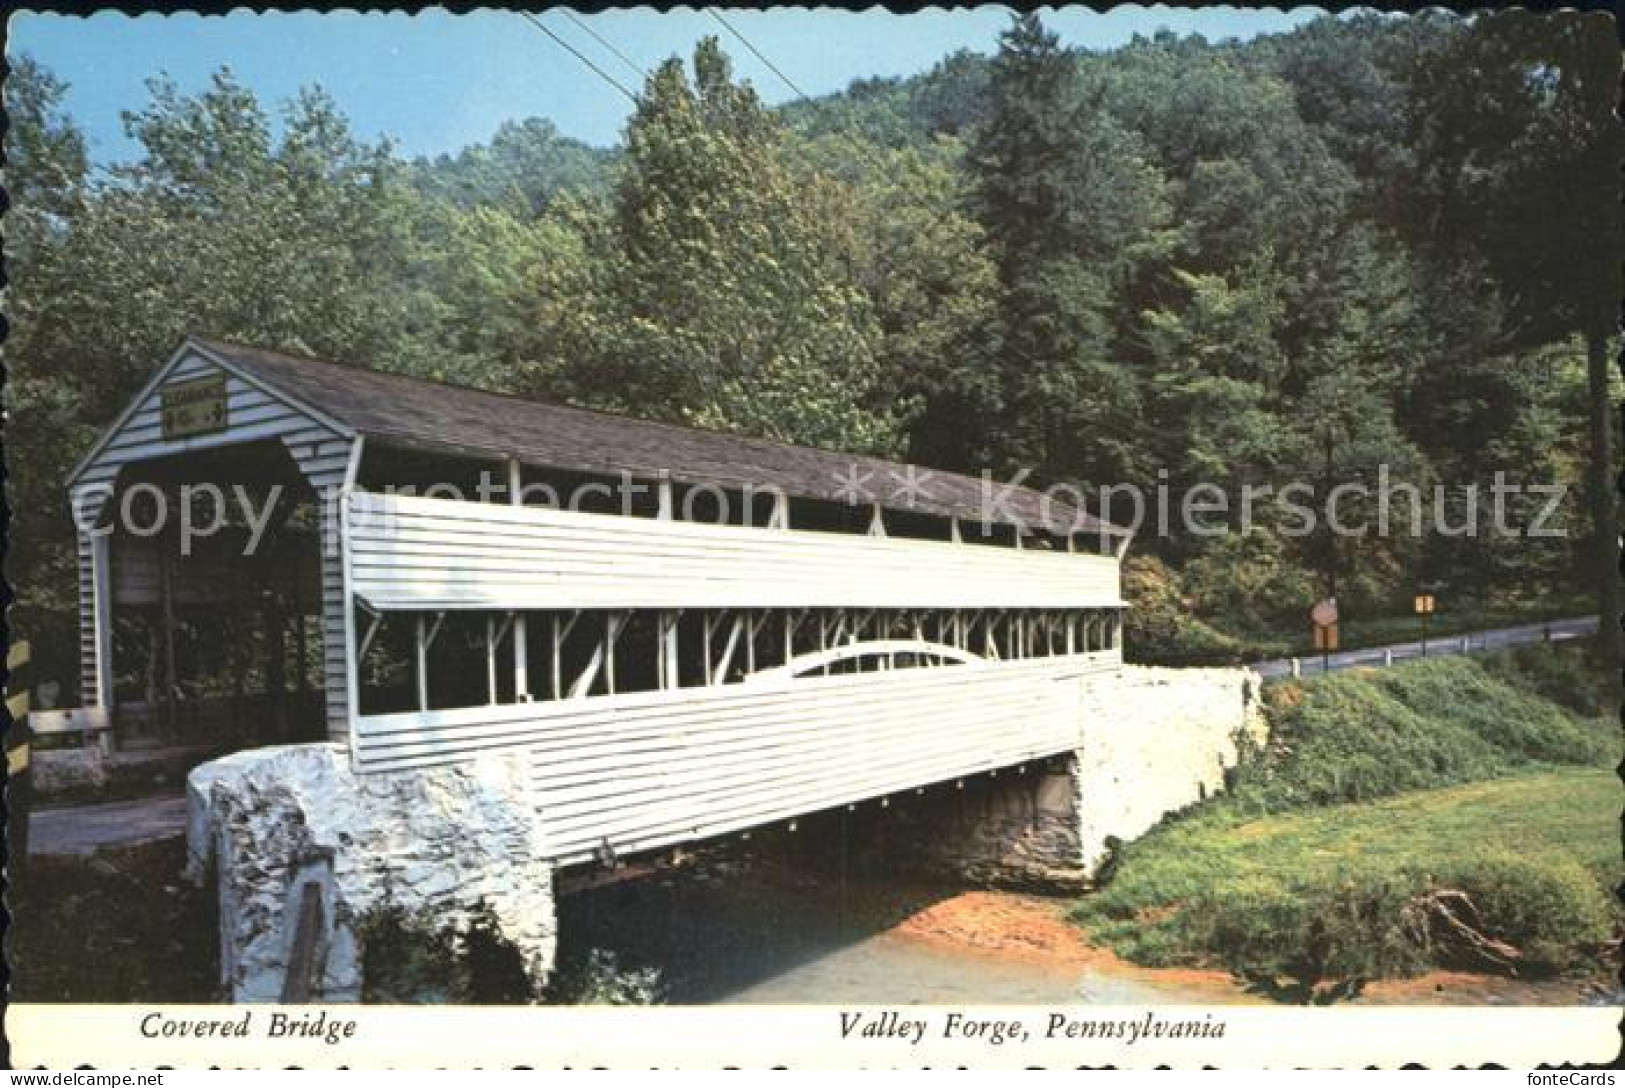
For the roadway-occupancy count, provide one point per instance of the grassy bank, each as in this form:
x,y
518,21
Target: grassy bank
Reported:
x,y
1443,813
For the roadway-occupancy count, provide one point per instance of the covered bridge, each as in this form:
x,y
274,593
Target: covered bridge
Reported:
x,y
688,632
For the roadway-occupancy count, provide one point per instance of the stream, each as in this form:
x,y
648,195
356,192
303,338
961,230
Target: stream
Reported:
x,y
745,933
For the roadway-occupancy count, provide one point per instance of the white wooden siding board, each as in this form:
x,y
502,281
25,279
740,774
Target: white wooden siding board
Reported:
x,y
487,518
646,829
496,554
762,729
395,533
785,789
646,563
625,760
242,410
650,707
740,595
829,751
559,741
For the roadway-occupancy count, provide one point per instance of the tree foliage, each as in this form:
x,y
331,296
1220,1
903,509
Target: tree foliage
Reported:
x,y
1366,246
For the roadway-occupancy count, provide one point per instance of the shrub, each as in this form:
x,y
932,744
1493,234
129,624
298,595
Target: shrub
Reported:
x,y
1305,945
1158,627
406,959
601,979
1570,675
1551,909
1246,580
413,958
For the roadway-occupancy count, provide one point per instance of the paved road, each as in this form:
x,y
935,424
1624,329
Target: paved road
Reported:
x,y
84,829
1475,642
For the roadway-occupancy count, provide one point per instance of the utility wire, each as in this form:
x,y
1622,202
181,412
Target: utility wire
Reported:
x,y
595,36
582,57
758,54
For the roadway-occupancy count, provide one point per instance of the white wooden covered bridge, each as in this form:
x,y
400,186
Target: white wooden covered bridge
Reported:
x,y
689,633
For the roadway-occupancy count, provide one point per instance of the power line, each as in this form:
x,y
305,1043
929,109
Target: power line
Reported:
x,y
595,36
758,54
582,57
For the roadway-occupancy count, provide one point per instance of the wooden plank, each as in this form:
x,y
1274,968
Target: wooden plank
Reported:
x,y
656,721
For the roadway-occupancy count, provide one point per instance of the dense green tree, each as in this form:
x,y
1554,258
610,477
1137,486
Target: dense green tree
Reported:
x,y
1517,170
724,303
1070,205
522,170
1366,248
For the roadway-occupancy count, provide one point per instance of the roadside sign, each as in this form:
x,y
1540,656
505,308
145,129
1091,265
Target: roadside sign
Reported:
x,y
1324,613
1424,604
1326,637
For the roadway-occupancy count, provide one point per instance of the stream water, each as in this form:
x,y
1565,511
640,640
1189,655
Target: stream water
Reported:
x,y
782,937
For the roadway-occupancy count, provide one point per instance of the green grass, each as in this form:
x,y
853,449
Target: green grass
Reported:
x,y
1369,733
1165,903
1378,785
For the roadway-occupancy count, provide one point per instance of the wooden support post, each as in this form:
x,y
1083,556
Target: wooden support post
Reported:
x,y
877,520
521,644
491,660
781,511
166,591
603,654
953,530
670,677
421,641
721,673
373,624
665,504
708,630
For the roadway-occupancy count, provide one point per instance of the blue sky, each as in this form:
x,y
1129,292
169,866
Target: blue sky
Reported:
x,y
435,82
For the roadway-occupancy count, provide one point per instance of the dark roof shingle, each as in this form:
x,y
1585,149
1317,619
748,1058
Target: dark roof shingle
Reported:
x,y
415,411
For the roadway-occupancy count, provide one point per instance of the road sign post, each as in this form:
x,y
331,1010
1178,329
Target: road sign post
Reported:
x,y
1324,617
1424,608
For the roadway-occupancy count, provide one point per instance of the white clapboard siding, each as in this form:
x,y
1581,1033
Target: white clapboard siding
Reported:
x,y
254,412
650,769
419,553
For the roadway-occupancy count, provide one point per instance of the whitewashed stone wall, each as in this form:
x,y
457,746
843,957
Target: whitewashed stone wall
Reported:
x,y
269,820
1154,741
1157,742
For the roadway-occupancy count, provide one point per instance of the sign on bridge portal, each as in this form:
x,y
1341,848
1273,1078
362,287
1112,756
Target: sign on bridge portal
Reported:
x,y
196,407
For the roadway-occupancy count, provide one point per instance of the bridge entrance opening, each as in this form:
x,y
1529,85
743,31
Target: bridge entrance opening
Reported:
x,y
215,601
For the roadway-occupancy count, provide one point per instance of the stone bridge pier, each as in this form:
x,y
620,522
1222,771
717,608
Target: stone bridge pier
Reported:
x,y
1154,742
434,842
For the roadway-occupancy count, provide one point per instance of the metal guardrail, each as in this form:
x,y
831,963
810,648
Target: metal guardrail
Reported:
x,y
1471,642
